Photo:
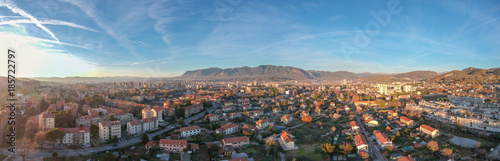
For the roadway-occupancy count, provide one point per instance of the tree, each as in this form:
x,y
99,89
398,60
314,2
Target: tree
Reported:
x,y
433,146
271,144
100,113
112,117
459,126
306,119
54,155
219,136
447,152
214,147
26,147
40,138
478,145
43,105
145,138
54,135
346,147
382,104
398,134
327,148
271,127
365,155
247,132
181,121
387,129
94,130
31,128
333,129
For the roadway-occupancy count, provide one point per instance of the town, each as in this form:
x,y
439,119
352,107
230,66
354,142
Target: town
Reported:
x,y
256,120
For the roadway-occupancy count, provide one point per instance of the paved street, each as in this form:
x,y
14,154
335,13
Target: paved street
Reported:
x,y
375,152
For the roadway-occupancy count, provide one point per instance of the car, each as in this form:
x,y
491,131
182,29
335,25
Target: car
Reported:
x,y
115,145
93,151
108,148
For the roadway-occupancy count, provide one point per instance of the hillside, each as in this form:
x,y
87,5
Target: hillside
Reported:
x,y
401,77
292,73
471,74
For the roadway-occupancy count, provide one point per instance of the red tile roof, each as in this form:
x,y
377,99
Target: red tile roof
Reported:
x,y
151,143
427,127
360,140
405,119
189,128
235,139
406,158
173,142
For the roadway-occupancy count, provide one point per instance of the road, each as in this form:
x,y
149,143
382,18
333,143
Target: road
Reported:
x,y
373,148
44,153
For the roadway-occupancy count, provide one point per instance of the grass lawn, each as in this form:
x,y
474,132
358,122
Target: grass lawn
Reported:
x,y
2,157
309,151
74,158
201,155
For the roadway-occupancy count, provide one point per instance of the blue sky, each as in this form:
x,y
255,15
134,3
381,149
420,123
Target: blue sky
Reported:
x,y
166,38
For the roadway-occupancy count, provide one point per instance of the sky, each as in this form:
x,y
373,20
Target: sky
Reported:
x,y
61,38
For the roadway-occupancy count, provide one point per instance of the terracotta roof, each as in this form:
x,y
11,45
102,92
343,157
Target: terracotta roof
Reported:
x,y
189,128
134,123
353,123
367,121
286,117
382,137
228,126
391,112
360,140
110,123
405,118
287,139
260,122
173,142
194,146
235,139
427,127
406,158
285,133
151,143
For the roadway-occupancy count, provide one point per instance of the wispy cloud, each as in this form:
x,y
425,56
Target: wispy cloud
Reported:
x,y
13,7
46,22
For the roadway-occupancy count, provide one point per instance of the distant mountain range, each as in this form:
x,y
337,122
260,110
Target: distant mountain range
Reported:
x,y
283,73
292,73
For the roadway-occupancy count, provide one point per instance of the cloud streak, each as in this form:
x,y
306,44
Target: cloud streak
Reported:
x,y
46,22
13,7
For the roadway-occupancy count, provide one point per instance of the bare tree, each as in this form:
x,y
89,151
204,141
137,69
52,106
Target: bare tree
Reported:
x,y
40,138
26,147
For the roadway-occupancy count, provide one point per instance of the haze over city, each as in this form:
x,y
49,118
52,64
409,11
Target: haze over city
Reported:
x,y
166,38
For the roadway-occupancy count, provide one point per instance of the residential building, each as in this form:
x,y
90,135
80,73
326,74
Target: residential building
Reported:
x,y
137,127
429,130
361,143
262,124
108,130
392,113
212,117
235,142
354,125
227,129
189,131
382,139
371,122
287,119
406,120
46,121
173,145
287,139
76,136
